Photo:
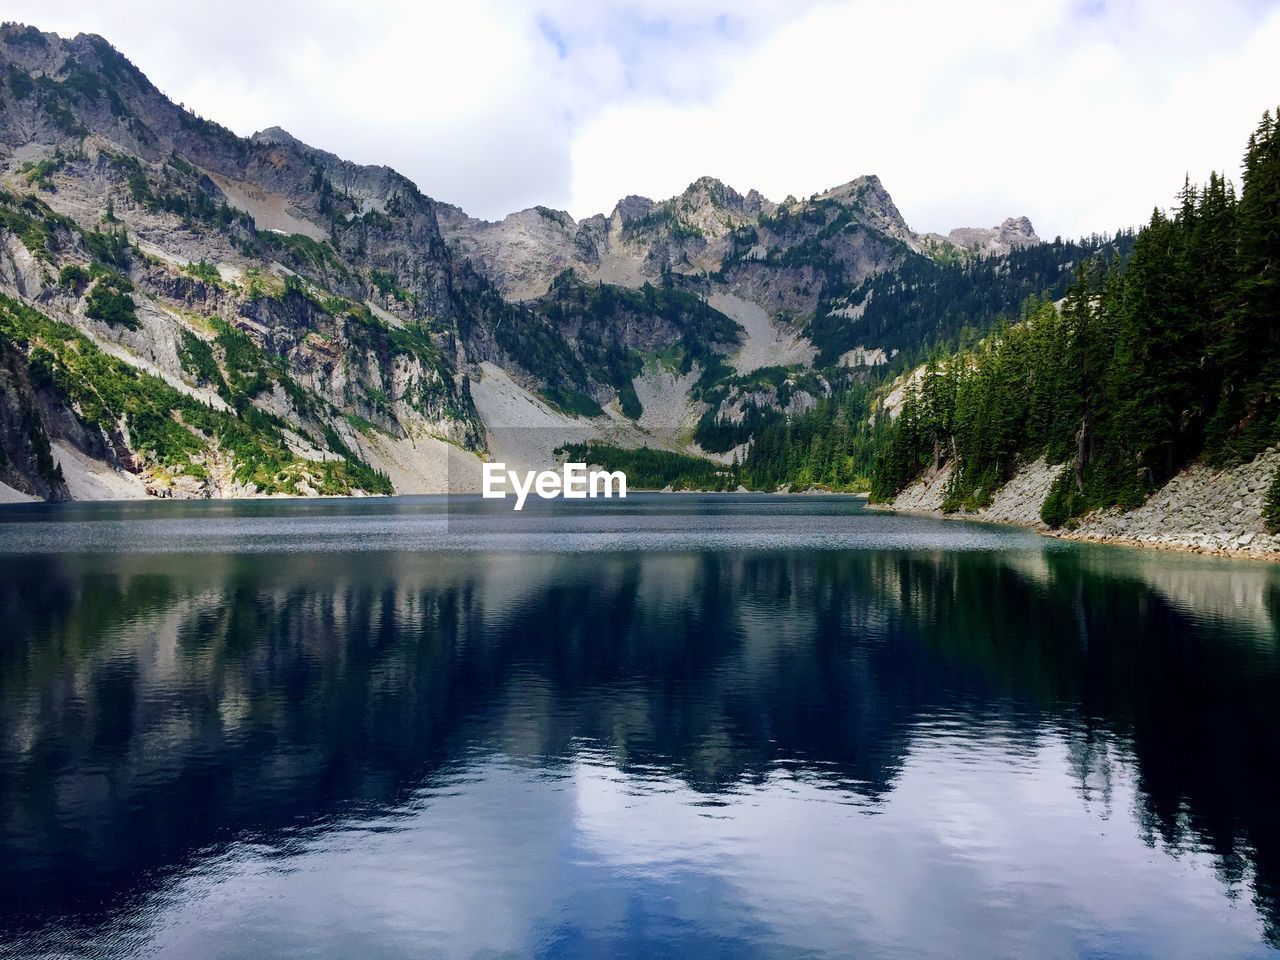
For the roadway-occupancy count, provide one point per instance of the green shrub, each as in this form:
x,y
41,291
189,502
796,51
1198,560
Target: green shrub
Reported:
x,y
204,271
1271,506
572,401
111,247
629,402
111,301
73,278
34,232
1064,501
248,371
39,174
196,357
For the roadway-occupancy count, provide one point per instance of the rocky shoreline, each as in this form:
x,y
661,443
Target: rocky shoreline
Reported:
x,y
1202,510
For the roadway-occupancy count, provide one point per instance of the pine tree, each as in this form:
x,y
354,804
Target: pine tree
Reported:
x,y
1245,420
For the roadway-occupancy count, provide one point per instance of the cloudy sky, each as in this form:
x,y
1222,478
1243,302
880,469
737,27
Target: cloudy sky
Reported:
x,y
1082,114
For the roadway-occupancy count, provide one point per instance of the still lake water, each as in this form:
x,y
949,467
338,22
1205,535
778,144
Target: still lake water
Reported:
x,y
671,726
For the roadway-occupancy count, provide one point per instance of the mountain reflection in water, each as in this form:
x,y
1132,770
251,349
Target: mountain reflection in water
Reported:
x,y
1028,749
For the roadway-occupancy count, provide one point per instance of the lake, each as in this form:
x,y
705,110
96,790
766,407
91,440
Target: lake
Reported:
x,y
694,726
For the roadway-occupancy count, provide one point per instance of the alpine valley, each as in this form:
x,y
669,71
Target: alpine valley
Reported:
x,y
188,313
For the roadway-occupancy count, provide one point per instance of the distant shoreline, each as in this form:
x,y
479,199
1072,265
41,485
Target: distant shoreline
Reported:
x,y
1097,539
29,501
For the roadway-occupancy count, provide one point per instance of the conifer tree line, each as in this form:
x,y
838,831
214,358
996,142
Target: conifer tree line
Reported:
x,y
832,446
1151,362
926,301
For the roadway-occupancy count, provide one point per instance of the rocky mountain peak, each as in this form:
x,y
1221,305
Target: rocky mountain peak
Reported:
x,y
873,204
33,51
277,135
633,207
756,203
856,188
711,207
369,303
711,190
86,65
87,60
1017,231
1011,234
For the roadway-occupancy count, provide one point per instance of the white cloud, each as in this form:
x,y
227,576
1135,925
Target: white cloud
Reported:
x,y
967,113
1082,115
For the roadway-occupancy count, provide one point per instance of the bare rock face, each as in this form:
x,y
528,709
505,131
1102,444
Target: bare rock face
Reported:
x,y
711,208
756,204
522,252
787,256
867,197
1017,232
635,243
707,228
631,208
1013,233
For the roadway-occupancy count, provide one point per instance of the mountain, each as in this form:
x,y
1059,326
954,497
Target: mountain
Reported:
x,y
187,312
1140,403
1013,234
775,252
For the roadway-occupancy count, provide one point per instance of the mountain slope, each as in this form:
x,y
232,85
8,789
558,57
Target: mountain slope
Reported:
x,y
274,319
1143,407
